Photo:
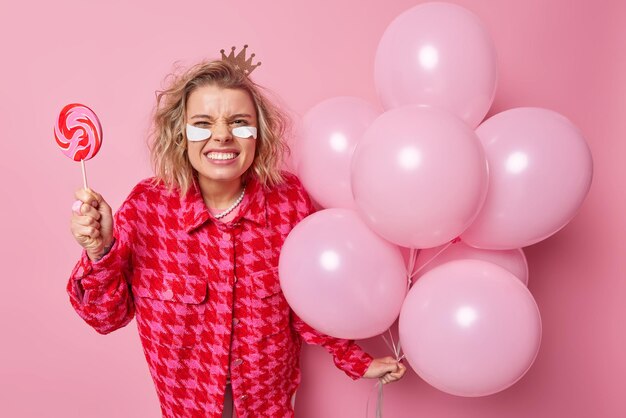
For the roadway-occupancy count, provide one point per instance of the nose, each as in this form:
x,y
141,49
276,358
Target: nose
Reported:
x,y
221,132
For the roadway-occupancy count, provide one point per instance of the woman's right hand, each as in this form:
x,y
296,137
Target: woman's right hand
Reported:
x,y
92,223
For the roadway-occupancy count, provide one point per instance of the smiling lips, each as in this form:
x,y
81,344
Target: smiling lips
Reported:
x,y
222,155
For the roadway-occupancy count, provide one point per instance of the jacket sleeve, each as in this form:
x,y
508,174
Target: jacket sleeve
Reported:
x,y
100,291
347,355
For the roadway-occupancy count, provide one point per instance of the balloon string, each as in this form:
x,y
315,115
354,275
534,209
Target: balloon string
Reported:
x,y
82,163
396,349
397,352
454,241
379,411
379,400
412,259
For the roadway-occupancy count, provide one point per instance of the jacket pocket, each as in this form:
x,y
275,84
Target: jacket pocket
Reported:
x,y
171,308
271,312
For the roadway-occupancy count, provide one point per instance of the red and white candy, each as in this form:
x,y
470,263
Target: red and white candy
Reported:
x,y
78,132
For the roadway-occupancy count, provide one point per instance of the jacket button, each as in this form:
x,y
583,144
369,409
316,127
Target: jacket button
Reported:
x,y
237,362
235,279
242,397
168,294
235,321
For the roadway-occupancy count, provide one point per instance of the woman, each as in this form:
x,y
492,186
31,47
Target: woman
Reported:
x,y
193,252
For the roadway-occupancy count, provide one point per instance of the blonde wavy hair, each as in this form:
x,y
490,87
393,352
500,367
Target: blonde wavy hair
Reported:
x,y
167,141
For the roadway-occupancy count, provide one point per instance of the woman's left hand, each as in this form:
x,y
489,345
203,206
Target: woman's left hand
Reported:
x,y
386,368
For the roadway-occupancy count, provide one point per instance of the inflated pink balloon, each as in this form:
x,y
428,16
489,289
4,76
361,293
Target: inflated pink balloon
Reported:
x,y
331,131
78,132
340,277
437,54
470,328
540,173
512,260
419,176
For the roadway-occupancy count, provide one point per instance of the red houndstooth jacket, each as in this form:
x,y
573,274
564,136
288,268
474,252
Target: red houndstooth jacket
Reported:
x,y
207,299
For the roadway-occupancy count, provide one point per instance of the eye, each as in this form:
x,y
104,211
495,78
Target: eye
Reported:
x,y
241,122
201,124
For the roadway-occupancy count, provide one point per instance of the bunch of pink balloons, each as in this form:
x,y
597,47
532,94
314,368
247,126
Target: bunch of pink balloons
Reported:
x,y
423,172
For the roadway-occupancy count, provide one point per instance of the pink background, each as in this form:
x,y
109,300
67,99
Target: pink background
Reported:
x,y
569,56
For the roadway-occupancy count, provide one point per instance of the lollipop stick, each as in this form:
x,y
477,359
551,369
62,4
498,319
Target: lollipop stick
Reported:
x,y
82,163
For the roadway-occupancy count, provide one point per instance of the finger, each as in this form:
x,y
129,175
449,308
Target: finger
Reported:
x,y
76,206
86,196
85,221
90,244
89,210
90,232
96,195
86,231
400,372
100,202
89,197
391,366
396,376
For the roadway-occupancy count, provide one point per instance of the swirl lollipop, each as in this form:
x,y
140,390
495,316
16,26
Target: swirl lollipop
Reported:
x,y
78,133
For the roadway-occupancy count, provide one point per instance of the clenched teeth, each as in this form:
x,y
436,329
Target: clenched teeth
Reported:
x,y
221,155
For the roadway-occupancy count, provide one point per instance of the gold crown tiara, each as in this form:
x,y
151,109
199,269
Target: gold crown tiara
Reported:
x,y
239,61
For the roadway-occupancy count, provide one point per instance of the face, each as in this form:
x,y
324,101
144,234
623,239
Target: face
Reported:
x,y
223,157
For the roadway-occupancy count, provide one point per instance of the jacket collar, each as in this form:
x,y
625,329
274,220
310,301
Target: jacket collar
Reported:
x,y
253,207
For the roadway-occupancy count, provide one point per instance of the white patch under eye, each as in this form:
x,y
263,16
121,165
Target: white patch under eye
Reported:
x,y
197,134
245,132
